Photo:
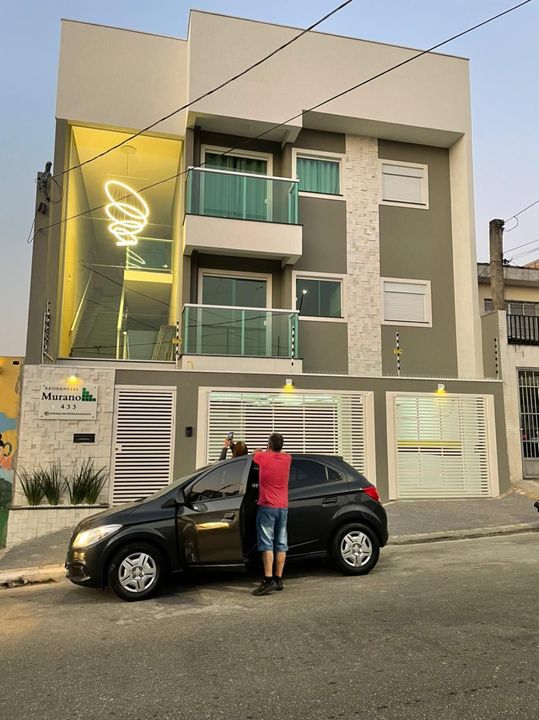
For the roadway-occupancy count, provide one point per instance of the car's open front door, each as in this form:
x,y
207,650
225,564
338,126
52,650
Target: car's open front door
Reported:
x,y
209,524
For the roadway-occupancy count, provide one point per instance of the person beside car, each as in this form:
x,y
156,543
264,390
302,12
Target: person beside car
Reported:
x,y
272,513
238,449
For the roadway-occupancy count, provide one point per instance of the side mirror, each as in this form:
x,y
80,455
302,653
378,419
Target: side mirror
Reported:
x,y
178,499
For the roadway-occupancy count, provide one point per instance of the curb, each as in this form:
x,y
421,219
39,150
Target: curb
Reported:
x,y
466,534
19,577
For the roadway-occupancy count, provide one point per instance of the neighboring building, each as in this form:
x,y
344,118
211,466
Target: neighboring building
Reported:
x,y
318,279
511,352
10,368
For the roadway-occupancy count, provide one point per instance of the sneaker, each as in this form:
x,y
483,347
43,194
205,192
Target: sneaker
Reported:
x,y
279,583
266,587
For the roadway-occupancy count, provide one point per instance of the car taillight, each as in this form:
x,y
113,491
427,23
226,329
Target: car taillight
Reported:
x,y
372,492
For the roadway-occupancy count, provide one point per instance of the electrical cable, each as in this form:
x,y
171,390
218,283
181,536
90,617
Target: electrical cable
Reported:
x,y
294,117
520,212
208,93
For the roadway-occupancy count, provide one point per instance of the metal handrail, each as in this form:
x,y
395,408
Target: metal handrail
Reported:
x,y
242,174
76,319
241,307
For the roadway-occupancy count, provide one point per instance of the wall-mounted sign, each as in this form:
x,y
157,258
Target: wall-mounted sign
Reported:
x,y
58,402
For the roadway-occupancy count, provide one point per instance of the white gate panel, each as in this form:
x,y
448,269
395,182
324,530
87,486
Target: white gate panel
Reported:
x,y
442,446
323,423
144,442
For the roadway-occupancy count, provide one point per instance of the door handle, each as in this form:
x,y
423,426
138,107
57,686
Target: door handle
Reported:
x,y
329,501
229,516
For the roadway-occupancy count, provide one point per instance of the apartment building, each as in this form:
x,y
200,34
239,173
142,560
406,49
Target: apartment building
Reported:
x,y
511,353
251,264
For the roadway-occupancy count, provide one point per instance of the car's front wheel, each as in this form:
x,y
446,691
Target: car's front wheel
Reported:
x,y
135,571
355,549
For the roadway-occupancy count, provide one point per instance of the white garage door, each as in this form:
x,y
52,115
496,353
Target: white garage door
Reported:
x,y
441,446
326,423
144,441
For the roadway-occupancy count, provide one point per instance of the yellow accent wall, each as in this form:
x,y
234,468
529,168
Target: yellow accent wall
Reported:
x,y
10,368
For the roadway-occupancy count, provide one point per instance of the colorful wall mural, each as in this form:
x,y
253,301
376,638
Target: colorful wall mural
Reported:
x,y
10,370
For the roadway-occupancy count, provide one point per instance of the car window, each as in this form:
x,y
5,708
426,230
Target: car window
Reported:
x,y
333,475
306,473
223,481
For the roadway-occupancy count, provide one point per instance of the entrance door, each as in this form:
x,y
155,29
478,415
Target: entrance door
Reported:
x,y
226,331
528,389
209,525
143,441
241,197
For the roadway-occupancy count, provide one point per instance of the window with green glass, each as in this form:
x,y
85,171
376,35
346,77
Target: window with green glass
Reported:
x,y
319,298
318,175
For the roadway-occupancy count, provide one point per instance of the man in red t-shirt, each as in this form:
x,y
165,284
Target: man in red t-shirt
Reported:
x,y
272,514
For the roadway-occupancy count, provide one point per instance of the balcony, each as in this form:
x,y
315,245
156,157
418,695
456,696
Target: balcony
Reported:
x,y
523,329
216,337
242,214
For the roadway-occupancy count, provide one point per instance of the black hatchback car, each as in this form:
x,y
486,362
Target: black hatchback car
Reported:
x,y
207,520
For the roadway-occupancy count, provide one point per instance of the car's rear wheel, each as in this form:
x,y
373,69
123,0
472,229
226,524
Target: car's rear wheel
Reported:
x,y
135,571
355,549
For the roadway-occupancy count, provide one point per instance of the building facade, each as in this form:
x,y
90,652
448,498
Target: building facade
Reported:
x,y
511,353
251,265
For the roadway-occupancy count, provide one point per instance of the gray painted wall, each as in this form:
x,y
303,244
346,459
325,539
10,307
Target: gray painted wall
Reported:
x,y
324,235
323,346
187,384
416,244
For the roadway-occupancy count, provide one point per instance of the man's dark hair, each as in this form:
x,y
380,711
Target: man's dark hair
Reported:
x,y
275,442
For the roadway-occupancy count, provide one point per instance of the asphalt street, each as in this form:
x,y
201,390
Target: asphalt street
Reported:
x,y
443,630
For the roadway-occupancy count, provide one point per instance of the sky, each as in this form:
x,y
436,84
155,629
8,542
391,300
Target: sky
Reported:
x,y
504,65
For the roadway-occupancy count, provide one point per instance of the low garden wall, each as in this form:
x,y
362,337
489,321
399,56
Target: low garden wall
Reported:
x,y
28,523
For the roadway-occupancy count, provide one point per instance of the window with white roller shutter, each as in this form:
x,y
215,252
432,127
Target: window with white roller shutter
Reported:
x,y
441,446
406,302
144,441
323,423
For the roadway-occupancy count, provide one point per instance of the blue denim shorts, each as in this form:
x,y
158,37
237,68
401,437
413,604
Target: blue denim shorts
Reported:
x,y
271,529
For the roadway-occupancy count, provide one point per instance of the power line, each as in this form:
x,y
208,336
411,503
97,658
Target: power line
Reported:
x,y
300,114
517,247
208,93
520,212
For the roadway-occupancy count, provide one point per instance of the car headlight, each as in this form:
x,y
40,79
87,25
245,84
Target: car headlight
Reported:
x,y
94,535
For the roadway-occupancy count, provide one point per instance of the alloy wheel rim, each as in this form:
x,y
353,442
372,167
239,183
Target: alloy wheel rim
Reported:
x,y
137,572
356,549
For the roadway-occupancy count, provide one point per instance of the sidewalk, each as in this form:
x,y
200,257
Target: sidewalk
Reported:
x,y
410,522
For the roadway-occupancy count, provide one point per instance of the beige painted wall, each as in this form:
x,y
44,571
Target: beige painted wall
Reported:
x,y
512,292
120,78
321,65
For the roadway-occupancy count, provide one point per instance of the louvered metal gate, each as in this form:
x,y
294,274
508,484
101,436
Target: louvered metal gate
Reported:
x,y
441,446
327,423
144,441
528,390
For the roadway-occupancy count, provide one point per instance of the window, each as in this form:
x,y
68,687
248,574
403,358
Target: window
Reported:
x,y
306,473
404,184
318,175
319,298
223,481
406,302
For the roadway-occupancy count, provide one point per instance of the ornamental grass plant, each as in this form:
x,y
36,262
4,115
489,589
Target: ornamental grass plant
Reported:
x,y
86,483
32,486
53,483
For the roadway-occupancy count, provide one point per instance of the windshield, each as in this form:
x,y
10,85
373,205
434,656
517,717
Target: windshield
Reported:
x,y
177,483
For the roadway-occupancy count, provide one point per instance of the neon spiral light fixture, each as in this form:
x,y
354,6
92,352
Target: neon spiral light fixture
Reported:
x,y
129,213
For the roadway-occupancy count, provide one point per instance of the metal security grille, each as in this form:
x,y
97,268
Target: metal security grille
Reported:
x,y
442,446
144,435
326,423
528,388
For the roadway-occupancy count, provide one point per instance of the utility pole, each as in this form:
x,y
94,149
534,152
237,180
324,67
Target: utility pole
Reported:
x,y
496,264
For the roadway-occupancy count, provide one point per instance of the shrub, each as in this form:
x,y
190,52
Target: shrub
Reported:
x,y
86,483
53,483
32,486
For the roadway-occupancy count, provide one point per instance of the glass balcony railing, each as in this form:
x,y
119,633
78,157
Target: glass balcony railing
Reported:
x,y
239,331
149,254
243,196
